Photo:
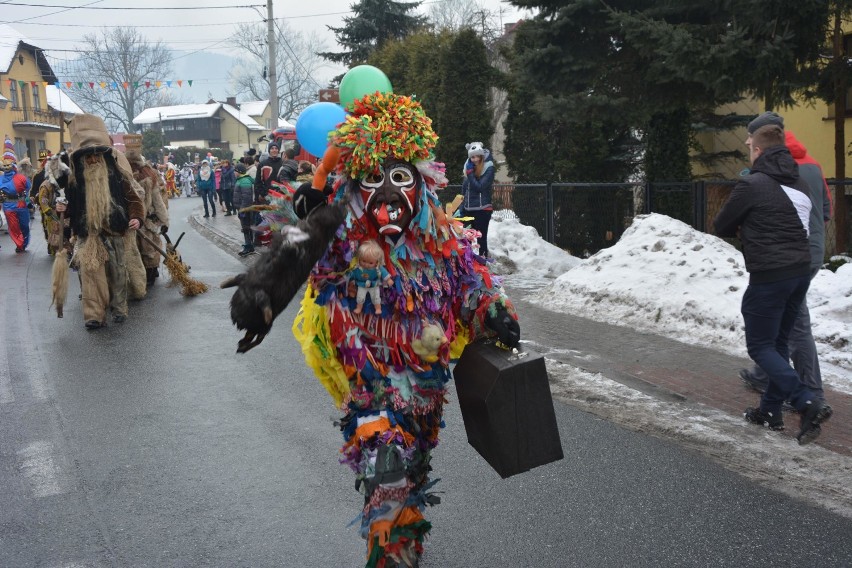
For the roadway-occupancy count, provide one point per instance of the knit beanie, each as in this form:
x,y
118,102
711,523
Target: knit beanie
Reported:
x,y
9,156
767,117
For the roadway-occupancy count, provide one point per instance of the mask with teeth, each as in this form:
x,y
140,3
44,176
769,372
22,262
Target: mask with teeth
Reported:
x,y
391,196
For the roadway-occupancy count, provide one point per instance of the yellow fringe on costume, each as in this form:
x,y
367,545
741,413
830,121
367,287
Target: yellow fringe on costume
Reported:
x,y
311,330
460,342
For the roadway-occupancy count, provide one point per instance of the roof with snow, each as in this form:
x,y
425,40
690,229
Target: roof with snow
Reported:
x,y
59,100
11,38
254,108
183,112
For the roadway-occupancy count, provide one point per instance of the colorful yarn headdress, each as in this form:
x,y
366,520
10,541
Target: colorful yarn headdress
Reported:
x,y
381,126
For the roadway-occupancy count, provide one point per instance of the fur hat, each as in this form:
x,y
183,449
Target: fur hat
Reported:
x,y
475,149
767,117
56,168
25,167
9,157
136,159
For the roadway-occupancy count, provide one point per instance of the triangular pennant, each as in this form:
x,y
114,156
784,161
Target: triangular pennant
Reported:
x,y
135,84
168,83
158,83
91,85
79,84
125,84
114,85
189,82
10,81
103,85
68,84
180,83
22,84
147,84
33,83
58,85
45,83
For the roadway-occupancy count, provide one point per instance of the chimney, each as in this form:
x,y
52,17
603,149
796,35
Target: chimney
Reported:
x,y
232,101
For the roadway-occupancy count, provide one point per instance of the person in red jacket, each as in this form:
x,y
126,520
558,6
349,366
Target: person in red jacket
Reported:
x,y
14,193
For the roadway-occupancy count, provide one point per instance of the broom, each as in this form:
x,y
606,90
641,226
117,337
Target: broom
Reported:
x,y
59,274
178,271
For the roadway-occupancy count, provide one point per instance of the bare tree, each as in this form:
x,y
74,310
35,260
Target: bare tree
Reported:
x,y
119,56
454,15
297,60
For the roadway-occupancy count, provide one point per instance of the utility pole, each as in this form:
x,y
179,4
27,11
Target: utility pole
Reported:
x,y
273,73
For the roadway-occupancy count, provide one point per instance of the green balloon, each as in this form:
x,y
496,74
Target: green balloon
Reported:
x,y
363,80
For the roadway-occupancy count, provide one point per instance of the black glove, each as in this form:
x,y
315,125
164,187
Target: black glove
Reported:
x,y
164,229
306,199
505,326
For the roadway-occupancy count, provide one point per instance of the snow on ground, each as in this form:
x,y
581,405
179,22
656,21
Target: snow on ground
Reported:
x,y
665,277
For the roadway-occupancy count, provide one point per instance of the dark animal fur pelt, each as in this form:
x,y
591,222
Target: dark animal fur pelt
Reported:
x,y
265,290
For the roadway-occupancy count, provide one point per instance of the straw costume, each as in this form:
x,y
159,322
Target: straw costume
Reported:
x,y
388,368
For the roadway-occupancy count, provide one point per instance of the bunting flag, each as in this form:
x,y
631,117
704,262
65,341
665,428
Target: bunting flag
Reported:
x,y
149,83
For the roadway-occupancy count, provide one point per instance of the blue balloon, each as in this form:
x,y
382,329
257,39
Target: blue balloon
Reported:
x,y
315,123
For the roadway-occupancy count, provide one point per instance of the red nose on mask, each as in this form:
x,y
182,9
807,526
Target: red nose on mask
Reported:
x,y
382,216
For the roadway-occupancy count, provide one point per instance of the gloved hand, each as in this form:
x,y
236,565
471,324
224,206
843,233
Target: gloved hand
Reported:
x,y
164,229
505,326
468,168
306,199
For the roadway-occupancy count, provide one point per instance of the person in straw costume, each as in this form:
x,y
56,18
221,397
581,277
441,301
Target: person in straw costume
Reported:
x,y
103,205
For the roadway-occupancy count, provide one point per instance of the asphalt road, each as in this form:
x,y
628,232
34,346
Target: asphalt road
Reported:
x,y
152,443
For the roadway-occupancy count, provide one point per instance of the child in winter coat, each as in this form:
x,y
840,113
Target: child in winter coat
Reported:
x,y
244,197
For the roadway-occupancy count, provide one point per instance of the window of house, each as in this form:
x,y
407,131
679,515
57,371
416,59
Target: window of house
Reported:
x,y
42,145
168,126
180,125
20,147
36,98
13,94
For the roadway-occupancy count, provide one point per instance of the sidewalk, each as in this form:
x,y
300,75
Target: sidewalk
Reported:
x,y
652,364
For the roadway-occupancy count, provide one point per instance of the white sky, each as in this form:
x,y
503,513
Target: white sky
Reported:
x,y
695,281
200,29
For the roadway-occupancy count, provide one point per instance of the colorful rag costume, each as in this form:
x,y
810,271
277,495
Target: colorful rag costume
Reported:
x,y
393,397
14,193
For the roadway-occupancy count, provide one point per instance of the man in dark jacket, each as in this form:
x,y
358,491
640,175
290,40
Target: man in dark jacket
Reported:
x,y
268,172
289,167
803,351
770,208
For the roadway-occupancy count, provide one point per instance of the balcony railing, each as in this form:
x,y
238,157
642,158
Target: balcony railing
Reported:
x,y
35,119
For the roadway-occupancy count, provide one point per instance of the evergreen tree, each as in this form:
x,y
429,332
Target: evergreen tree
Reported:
x,y
651,62
374,23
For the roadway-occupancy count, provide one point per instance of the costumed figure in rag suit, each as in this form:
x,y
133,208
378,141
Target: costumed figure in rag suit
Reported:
x,y
373,363
169,174
14,193
156,214
104,204
52,188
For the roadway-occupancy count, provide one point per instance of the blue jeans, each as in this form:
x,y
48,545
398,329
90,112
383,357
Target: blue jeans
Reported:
x,y
208,195
769,312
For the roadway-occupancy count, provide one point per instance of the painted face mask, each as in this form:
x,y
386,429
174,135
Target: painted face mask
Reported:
x,y
391,196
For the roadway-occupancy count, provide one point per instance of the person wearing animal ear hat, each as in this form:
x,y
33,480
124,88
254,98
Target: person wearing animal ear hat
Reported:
x,y
103,204
14,194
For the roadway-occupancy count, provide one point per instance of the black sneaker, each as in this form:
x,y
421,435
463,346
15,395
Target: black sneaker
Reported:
x,y
768,419
752,382
815,414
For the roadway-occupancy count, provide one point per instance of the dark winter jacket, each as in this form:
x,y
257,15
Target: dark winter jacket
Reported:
x,y
477,190
267,172
811,172
243,192
770,208
289,170
228,179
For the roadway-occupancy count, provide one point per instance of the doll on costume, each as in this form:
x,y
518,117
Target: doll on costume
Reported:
x,y
386,369
369,276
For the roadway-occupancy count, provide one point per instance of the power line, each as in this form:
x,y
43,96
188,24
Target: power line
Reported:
x,y
195,8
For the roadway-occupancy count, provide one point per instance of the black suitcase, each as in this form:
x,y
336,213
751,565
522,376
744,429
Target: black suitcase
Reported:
x,y
507,409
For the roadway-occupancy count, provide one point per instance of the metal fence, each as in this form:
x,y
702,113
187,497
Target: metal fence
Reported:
x,y
583,218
